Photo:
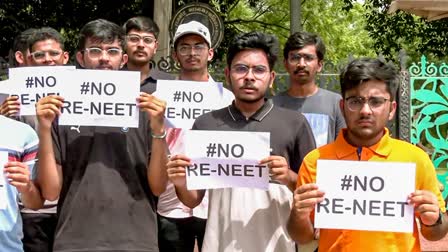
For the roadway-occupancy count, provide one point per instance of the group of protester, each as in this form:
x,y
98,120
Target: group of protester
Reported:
x,y
125,190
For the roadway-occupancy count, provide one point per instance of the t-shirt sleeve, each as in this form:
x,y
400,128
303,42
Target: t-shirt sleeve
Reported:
x,y
30,151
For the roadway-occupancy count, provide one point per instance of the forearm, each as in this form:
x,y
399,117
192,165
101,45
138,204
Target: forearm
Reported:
x,y
190,198
49,173
292,181
32,198
157,175
437,232
301,230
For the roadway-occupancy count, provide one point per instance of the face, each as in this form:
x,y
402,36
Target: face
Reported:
x,y
98,55
367,109
47,53
249,75
193,53
140,47
303,64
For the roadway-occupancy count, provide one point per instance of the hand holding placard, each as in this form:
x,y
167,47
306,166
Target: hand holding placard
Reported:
x,y
155,109
47,109
10,106
176,169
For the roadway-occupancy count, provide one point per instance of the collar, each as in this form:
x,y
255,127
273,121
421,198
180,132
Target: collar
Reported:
x,y
344,149
261,113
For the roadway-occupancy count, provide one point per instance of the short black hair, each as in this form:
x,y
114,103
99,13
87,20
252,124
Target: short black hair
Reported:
x,y
301,39
21,43
254,40
43,34
102,31
141,24
365,69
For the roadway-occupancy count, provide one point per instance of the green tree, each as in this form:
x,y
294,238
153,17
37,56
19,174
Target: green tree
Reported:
x,y
393,32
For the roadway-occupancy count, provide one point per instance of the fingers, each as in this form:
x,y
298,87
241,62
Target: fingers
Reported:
x,y
307,196
17,173
10,107
176,169
178,160
426,205
48,108
278,168
150,103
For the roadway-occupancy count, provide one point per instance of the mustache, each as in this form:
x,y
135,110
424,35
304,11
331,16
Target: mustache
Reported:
x,y
140,51
300,69
248,85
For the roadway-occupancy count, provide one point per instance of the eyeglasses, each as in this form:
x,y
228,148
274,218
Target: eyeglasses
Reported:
x,y
356,103
186,49
294,59
135,39
259,71
95,52
41,55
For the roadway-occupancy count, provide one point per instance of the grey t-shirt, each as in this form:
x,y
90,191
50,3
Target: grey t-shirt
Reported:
x,y
321,110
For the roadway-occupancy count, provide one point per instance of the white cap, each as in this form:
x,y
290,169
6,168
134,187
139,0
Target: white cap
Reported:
x,y
193,27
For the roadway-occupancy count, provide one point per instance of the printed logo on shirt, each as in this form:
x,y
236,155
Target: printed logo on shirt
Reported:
x,y
319,125
76,128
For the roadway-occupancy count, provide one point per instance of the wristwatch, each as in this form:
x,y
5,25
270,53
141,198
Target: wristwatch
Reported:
x,y
438,222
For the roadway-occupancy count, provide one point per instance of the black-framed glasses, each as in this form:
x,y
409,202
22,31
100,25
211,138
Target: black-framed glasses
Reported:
x,y
355,103
186,49
96,52
41,55
295,58
241,70
135,39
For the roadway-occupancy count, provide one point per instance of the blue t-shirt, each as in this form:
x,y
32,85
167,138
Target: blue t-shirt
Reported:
x,y
20,143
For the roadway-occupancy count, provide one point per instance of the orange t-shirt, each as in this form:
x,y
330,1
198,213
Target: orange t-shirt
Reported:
x,y
387,150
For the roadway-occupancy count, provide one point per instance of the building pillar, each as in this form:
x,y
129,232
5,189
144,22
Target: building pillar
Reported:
x,y
162,16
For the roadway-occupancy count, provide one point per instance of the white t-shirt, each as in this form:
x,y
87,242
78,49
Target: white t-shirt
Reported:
x,y
249,220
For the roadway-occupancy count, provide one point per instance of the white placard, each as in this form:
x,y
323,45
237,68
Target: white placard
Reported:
x,y
3,193
223,159
364,195
187,100
102,98
33,83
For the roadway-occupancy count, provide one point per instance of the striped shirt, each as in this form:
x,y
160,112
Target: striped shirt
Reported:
x,y
20,141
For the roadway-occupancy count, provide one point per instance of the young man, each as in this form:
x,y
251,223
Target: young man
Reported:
x,y
242,219
193,51
141,46
106,178
179,225
303,58
18,142
44,47
368,87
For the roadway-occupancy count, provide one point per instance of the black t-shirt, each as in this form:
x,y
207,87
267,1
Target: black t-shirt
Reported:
x,y
291,135
105,203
